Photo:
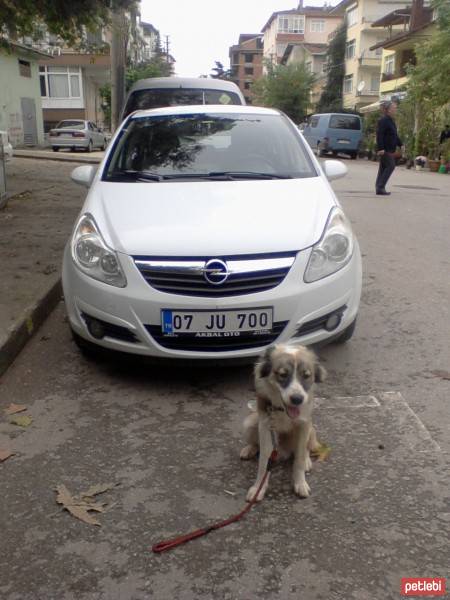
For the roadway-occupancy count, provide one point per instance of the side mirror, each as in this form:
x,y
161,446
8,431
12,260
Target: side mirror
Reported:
x,y
84,175
333,169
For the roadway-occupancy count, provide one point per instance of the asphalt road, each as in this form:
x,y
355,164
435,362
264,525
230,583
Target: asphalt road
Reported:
x,y
171,439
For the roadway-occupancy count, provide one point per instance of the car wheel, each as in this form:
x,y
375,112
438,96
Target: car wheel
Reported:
x,y
55,149
347,334
89,147
72,149
335,153
354,155
103,146
320,151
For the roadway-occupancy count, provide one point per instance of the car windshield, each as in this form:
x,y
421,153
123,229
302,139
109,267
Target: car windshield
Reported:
x,y
227,145
345,122
70,125
158,98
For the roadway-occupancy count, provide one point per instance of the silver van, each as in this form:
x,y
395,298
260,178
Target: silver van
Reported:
x,y
158,92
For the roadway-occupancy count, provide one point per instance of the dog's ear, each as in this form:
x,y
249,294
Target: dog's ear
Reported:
x,y
320,373
265,366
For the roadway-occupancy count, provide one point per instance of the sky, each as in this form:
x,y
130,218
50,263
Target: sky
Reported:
x,y
201,31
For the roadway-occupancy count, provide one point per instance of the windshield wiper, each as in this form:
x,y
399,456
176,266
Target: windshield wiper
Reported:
x,y
134,175
247,175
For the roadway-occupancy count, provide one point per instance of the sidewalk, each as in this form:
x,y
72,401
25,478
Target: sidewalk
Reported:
x,y
34,228
62,155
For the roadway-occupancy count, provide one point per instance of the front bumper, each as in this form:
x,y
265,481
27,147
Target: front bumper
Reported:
x,y
136,309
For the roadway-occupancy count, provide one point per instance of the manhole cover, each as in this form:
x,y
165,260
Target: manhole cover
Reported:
x,y
416,187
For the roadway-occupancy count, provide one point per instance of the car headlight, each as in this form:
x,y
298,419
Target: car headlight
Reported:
x,y
333,251
92,256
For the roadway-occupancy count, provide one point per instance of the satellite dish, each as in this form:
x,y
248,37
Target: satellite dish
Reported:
x,y
361,86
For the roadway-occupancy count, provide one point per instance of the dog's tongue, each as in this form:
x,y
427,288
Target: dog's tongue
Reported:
x,y
293,411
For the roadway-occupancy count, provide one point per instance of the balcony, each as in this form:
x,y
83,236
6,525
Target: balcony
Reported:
x,y
368,58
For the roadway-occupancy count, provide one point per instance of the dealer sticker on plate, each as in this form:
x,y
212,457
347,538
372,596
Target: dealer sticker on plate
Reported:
x,y
174,322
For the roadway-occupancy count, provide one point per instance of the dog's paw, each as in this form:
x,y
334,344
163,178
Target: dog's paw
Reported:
x,y
308,463
302,489
252,491
248,452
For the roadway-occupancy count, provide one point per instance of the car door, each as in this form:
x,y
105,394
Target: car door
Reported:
x,y
311,131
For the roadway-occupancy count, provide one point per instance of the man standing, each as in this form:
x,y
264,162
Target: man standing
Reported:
x,y
387,142
445,135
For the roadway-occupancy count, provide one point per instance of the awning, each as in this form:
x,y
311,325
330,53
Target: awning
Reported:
x,y
394,97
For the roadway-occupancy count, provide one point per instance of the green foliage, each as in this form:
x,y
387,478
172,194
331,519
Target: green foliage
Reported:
x,y
331,98
369,130
428,86
219,72
287,88
405,118
62,17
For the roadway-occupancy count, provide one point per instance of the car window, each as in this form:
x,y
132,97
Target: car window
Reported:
x,y
192,144
157,98
314,121
70,125
345,122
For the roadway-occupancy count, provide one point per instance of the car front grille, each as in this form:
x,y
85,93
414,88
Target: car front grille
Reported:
x,y
215,277
244,341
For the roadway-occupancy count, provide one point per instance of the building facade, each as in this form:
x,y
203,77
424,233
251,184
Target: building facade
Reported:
x,y
246,62
20,98
314,57
310,24
363,55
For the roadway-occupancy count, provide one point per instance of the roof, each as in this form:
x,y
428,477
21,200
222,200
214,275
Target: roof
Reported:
x,y
245,37
149,27
314,49
308,11
401,37
401,16
37,54
206,109
185,82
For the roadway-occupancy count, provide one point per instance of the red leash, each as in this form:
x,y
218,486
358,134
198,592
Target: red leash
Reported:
x,y
182,539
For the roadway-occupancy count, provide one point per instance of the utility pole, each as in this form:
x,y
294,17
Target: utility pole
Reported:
x,y
167,48
118,61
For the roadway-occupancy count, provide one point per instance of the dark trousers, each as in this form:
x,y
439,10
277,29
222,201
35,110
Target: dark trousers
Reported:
x,y
385,170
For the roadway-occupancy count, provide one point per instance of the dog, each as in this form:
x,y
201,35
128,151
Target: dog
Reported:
x,y
285,378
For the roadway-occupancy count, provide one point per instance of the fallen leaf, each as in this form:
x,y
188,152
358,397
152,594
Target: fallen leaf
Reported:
x,y
441,374
21,420
5,454
80,505
321,452
15,408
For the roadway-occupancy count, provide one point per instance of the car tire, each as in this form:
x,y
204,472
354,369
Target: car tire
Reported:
x,y
320,152
103,146
55,149
89,146
335,153
354,155
347,334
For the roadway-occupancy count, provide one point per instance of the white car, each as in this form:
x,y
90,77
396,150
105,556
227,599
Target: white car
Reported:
x,y
210,232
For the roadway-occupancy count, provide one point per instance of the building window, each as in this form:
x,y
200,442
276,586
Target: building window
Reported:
x,y
389,64
317,26
247,85
235,58
348,84
350,49
248,70
314,121
291,24
248,58
352,16
374,83
24,68
60,82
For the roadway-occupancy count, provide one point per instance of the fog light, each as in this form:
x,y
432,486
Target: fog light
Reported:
x,y
96,329
333,321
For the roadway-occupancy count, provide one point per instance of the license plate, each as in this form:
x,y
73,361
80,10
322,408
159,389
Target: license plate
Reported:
x,y
217,322
343,141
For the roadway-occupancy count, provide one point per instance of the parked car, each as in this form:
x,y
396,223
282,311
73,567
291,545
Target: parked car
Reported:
x,y
7,148
75,133
180,91
210,231
334,132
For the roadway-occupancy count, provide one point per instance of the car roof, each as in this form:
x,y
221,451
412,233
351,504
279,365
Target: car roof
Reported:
x,y
336,114
205,109
184,82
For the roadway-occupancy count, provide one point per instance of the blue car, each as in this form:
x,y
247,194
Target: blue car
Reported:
x,y
334,132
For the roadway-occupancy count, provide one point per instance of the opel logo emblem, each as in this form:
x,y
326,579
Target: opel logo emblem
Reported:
x,y
215,271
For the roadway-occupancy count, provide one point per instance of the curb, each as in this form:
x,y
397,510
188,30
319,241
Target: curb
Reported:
x,y
43,155
24,330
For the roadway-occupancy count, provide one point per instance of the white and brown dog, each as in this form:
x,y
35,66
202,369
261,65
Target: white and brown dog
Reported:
x,y
284,381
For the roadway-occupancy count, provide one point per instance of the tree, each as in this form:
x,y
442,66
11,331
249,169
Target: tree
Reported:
x,y
286,87
61,17
219,72
331,97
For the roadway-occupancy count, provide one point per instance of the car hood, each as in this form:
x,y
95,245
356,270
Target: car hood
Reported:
x,y
210,218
